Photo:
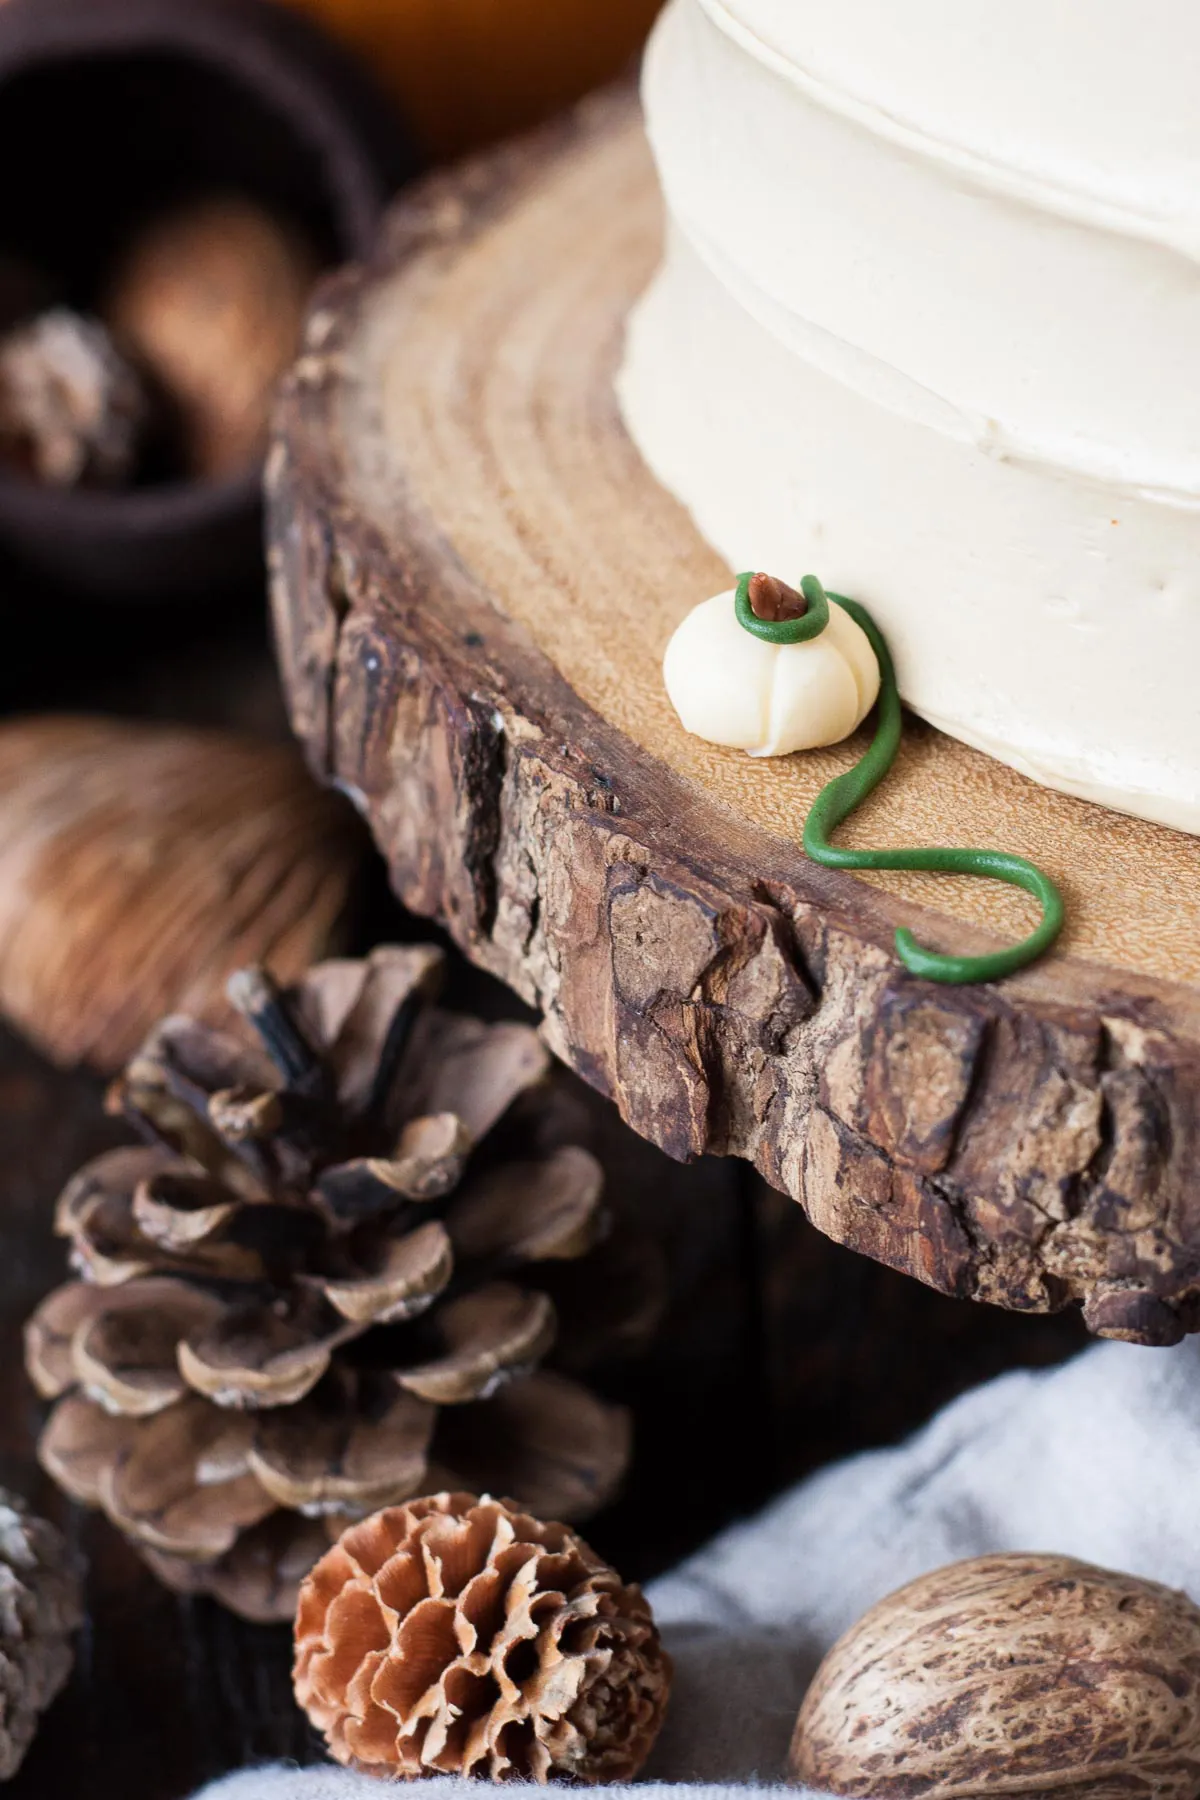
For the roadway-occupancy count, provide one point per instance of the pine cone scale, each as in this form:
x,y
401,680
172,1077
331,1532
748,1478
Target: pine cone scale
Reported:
x,y
376,1033
458,1553
178,1211
50,1335
266,1355
458,1734
99,1212
183,1485
246,1115
544,1438
126,1356
401,1277
448,1718
334,1454
430,1156
424,1641
116,1171
368,1189
476,1071
482,1602
259,1577
530,1212
78,1446
370,1738
166,1088
489,1334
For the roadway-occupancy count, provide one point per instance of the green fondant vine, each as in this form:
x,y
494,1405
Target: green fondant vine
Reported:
x,y
845,793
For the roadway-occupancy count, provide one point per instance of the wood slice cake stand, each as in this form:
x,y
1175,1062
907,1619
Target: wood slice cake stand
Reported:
x,y
474,577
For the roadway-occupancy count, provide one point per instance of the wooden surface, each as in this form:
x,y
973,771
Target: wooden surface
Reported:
x,y
474,577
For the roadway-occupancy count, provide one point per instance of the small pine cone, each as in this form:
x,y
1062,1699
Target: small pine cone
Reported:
x,y
40,1606
460,1636
330,1273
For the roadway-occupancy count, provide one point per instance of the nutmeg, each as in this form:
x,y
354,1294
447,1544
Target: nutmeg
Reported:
x,y
1028,1674
210,300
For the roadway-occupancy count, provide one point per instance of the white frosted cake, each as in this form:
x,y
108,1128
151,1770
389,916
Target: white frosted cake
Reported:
x,y
928,326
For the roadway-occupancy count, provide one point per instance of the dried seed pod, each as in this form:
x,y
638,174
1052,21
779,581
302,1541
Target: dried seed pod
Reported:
x,y
1006,1674
73,412
462,1636
211,300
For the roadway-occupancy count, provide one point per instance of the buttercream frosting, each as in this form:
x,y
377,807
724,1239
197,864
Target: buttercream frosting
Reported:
x,y
927,325
1094,110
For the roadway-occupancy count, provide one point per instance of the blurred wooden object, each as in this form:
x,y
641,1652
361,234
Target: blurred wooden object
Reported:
x,y
141,864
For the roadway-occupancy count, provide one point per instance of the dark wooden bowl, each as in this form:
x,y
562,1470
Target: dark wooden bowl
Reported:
x,y
112,109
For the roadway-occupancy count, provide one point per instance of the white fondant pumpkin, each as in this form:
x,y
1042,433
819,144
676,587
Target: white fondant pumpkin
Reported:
x,y
731,688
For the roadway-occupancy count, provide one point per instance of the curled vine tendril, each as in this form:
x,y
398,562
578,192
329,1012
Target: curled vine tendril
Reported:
x,y
844,793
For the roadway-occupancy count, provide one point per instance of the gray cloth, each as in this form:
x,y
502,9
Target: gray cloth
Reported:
x,y
1100,1459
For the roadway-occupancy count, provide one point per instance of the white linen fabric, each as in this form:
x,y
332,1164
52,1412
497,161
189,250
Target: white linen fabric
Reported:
x,y
1099,1459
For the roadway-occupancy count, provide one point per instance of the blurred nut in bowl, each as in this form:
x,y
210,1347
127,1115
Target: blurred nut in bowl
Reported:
x,y
73,413
244,136
1010,1674
210,300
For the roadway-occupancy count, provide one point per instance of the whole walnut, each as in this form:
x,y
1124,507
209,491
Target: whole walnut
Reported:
x,y
1010,1674
210,300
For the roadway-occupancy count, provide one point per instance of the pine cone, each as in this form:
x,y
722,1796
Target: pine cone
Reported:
x,y
460,1636
328,1274
40,1606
